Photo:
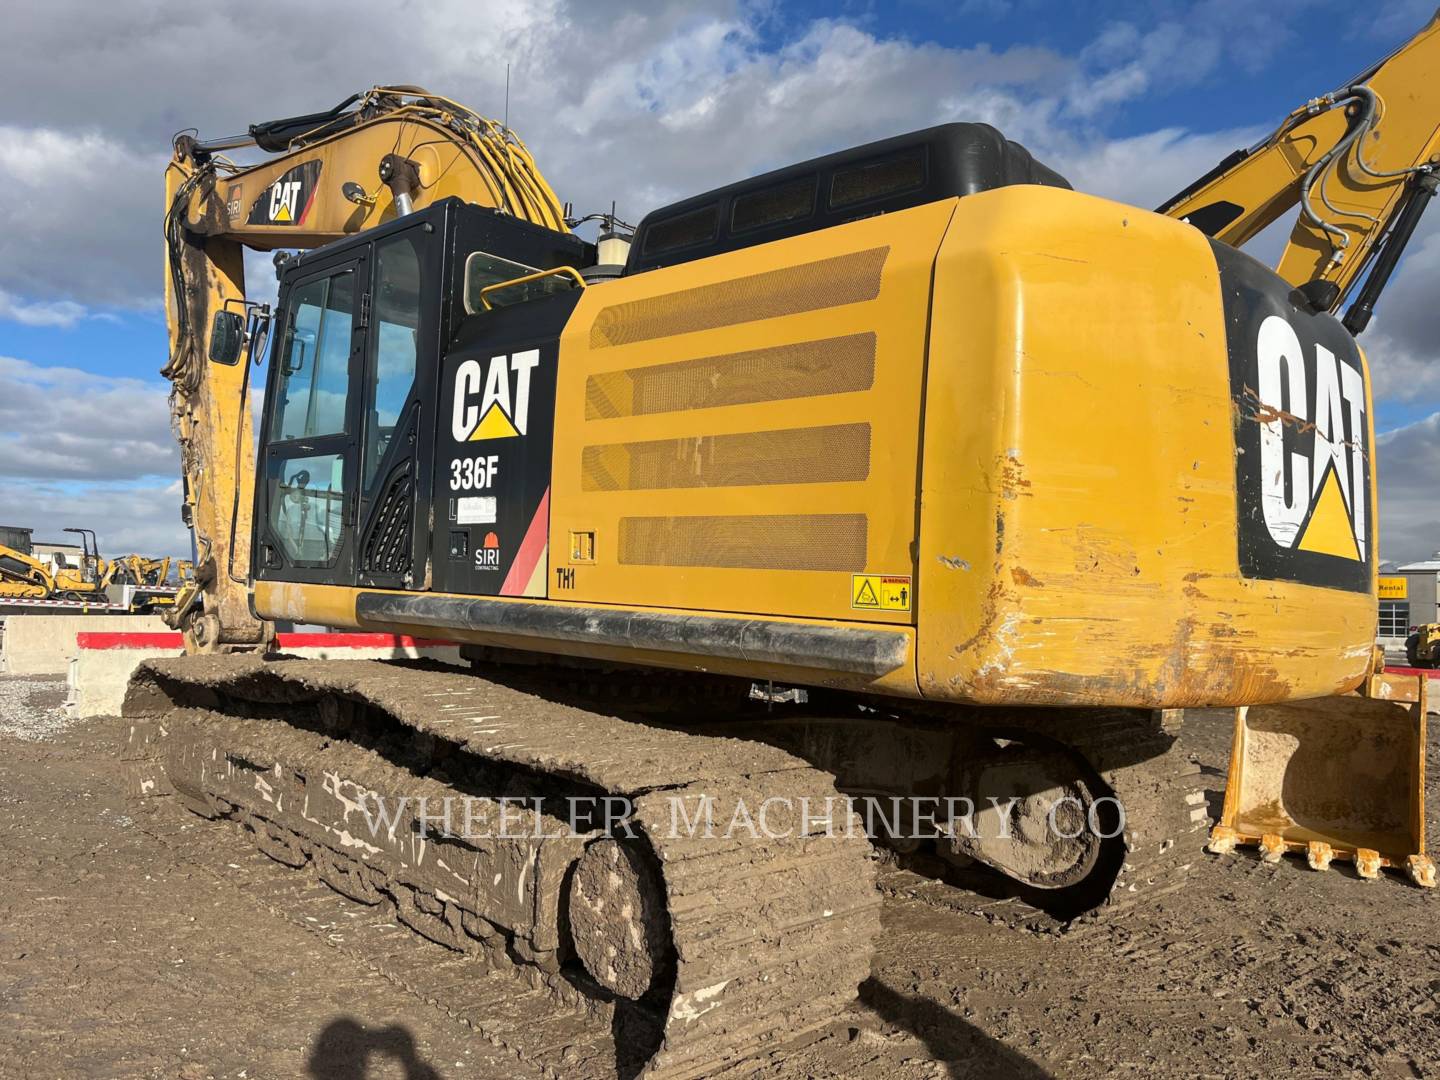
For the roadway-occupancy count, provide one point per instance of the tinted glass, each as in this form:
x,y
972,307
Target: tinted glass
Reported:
x,y
307,507
391,372
773,206
683,230
904,171
483,269
315,359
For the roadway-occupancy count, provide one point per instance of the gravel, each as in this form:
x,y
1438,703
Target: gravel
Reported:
x,y
33,709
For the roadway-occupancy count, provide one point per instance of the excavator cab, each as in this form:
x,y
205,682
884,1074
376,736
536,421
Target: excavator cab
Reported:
x,y
366,337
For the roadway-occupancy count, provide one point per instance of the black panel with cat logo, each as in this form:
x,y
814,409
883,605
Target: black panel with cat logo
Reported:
x,y
1302,433
493,454
495,414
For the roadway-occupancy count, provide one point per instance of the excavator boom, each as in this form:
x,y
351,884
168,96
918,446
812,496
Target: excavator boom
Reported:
x,y
1359,163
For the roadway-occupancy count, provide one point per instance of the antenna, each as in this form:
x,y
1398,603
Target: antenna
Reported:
x,y
507,96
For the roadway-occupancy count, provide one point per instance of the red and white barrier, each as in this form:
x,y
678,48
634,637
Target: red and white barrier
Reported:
x,y
1429,673
16,605
104,661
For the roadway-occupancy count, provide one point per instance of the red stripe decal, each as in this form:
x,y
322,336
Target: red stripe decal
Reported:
x,y
526,559
309,203
356,641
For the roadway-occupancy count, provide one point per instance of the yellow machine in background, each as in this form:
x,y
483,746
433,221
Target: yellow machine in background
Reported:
x,y
23,576
94,573
140,570
1422,647
991,477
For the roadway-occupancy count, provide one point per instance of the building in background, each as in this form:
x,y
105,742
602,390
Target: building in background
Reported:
x,y
1409,596
48,550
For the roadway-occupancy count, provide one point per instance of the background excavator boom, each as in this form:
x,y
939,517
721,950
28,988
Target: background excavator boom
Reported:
x,y
1360,164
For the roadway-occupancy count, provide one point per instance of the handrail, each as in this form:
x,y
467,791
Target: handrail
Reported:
x,y
526,279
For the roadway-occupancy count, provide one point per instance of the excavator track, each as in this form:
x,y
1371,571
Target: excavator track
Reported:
x,y
1135,753
1166,824
504,1003
706,950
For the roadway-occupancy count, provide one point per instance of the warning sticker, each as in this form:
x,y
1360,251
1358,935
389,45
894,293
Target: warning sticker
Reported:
x,y
880,592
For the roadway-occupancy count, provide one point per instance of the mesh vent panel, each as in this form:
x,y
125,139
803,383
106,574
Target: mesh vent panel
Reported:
x,y
779,542
806,369
826,283
386,549
815,455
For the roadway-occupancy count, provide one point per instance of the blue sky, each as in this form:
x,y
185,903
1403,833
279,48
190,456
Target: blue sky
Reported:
x,y
640,103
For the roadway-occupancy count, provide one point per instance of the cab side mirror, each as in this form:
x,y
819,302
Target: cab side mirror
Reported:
x,y
227,337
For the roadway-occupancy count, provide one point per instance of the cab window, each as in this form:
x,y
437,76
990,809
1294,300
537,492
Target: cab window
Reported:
x,y
315,360
392,361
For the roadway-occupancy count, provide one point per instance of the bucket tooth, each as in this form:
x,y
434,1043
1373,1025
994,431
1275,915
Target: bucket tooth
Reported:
x,y
1319,855
1367,863
1421,869
1272,847
1222,840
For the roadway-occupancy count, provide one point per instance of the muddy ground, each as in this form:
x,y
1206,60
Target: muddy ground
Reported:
x,y
119,958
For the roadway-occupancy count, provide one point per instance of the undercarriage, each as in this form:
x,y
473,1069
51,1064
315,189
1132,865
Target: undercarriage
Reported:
x,y
669,856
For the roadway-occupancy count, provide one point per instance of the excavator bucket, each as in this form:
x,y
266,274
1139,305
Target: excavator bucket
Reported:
x,y
1333,778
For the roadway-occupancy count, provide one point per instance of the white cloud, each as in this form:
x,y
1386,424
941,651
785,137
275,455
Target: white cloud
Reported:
x,y
78,448
1403,342
618,104
80,219
60,423
1408,460
62,313
143,518
1185,45
1145,170
1401,370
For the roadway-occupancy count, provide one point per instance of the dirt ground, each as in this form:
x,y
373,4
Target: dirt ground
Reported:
x,y
121,958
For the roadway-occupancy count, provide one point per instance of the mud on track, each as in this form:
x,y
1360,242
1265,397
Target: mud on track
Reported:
x,y
124,954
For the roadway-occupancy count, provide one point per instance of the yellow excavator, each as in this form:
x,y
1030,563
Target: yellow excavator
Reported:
x,y
139,570
92,574
24,577
905,477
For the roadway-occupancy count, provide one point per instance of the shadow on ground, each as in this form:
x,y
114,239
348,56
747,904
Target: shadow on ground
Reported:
x,y
965,1050
345,1048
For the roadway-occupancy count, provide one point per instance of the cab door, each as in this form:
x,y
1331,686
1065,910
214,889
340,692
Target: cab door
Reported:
x,y
402,314
305,505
